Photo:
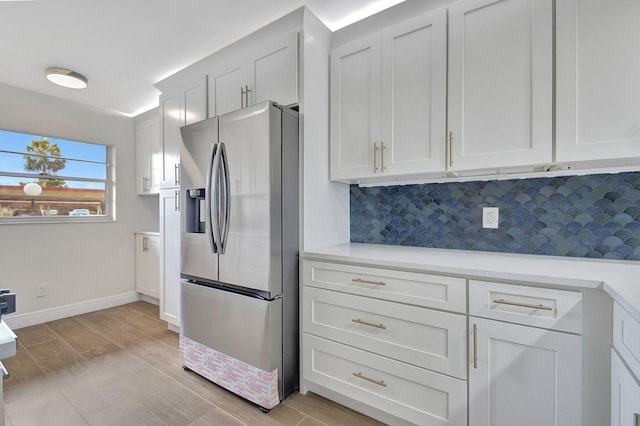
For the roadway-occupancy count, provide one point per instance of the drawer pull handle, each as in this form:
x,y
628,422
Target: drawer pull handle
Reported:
x,y
370,324
377,382
524,305
360,280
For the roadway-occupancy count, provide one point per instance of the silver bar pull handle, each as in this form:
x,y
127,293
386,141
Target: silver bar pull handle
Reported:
x,y
375,157
363,377
213,200
360,280
475,346
370,324
246,95
225,197
177,200
176,173
146,184
382,157
144,244
241,97
523,305
450,148
210,185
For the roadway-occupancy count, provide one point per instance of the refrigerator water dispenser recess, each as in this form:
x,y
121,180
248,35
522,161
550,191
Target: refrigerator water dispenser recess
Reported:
x,y
195,211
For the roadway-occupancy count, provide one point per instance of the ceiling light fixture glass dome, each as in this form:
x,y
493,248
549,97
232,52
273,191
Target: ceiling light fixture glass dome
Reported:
x,y
66,78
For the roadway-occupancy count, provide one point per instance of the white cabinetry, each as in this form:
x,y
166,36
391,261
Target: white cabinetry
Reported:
x,y
402,363
267,73
598,89
170,265
388,97
147,156
148,264
500,83
518,374
179,107
625,369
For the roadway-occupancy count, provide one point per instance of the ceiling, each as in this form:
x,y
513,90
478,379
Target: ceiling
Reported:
x,y
123,47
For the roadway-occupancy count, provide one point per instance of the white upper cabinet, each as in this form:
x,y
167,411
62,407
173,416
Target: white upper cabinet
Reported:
x,y
178,108
147,156
355,109
598,88
414,77
500,83
388,97
267,73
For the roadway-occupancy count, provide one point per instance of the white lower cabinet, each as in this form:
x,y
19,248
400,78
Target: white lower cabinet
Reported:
x,y
148,264
523,376
625,369
370,335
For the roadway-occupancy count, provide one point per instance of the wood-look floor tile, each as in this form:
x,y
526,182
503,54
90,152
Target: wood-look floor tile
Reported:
x,y
47,407
125,413
139,321
25,376
217,417
56,357
146,308
114,330
310,421
35,334
326,411
77,334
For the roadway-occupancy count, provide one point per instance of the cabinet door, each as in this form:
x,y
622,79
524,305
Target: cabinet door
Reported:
x,y
195,100
523,376
625,394
147,151
225,87
147,265
170,245
500,83
355,109
414,64
597,84
172,112
275,72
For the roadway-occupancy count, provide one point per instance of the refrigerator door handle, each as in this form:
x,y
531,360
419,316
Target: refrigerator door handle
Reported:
x,y
211,196
225,209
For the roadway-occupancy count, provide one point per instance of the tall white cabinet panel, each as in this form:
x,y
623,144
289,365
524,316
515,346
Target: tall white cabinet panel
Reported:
x,y
414,95
500,83
147,157
598,89
355,109
148,264
170,245
523,376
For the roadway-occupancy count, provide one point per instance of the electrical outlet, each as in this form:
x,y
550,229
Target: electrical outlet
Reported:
x,y
490,216
41,290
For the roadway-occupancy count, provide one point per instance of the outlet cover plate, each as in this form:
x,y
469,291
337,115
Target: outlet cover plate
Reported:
x,y
490,216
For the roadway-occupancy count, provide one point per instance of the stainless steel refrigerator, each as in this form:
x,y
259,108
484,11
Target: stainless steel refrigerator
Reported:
x,y
239,291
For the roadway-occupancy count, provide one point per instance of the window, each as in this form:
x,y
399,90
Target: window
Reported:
x,y
49,179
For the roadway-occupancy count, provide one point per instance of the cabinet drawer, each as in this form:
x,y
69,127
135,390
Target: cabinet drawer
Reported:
x,y
626,338
413,288
417,395
538,307
422,337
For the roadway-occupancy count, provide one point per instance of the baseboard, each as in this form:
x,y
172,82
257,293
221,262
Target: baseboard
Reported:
x,y
16,321
149,299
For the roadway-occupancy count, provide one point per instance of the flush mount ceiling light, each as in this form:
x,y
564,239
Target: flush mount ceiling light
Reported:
x,y
66,78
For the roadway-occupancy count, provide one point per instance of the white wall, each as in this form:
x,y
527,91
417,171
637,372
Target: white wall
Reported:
x,y
82,263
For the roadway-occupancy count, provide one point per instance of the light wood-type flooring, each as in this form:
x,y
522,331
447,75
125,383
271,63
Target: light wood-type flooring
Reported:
x,y
120,366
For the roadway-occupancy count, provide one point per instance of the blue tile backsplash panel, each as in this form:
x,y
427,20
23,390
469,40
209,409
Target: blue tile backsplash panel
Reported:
x,y
595,216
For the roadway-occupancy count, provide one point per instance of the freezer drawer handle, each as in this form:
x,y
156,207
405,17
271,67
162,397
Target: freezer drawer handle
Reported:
x,y
363,377
360,280
524,305
370,324
3,371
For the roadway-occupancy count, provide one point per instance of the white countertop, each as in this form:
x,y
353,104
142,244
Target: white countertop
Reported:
x,y
620,279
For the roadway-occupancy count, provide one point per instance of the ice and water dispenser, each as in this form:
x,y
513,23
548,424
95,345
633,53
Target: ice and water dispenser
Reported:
x,y
195,211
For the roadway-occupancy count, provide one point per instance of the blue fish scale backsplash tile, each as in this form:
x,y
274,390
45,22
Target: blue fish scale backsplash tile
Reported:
x,y
596,216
